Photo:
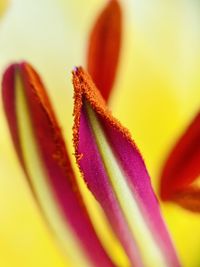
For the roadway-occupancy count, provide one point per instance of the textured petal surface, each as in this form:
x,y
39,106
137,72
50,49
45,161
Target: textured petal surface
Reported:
x,y
116,174
181,173
41,150
104,47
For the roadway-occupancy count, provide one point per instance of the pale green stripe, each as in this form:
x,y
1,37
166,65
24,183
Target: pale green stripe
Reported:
x,y
150,252
68,241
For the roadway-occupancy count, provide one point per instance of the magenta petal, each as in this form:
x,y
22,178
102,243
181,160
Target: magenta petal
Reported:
x,y
97,174
139,181
54,159
97,182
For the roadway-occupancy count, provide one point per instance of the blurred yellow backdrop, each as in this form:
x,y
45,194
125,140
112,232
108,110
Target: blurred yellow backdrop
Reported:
x,y
155,96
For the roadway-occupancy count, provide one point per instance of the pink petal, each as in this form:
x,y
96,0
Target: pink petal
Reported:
x,y
54,159
95,169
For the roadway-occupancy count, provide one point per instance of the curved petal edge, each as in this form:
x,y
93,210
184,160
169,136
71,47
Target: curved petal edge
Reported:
x,y
115,173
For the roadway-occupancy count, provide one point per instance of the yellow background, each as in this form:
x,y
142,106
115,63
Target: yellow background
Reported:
x,y
157,92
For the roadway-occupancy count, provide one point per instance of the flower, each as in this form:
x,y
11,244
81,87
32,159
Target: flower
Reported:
x,y
149,56
41,151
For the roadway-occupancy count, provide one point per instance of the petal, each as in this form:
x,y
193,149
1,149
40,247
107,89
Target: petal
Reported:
x,y
116,174
104,47
40,147
181,172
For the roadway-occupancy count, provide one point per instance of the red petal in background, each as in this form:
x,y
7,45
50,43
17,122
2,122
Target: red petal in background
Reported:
x,y
104,48
181,172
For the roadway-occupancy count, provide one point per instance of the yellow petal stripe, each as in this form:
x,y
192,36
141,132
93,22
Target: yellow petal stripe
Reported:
x,y
151,254
33,163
